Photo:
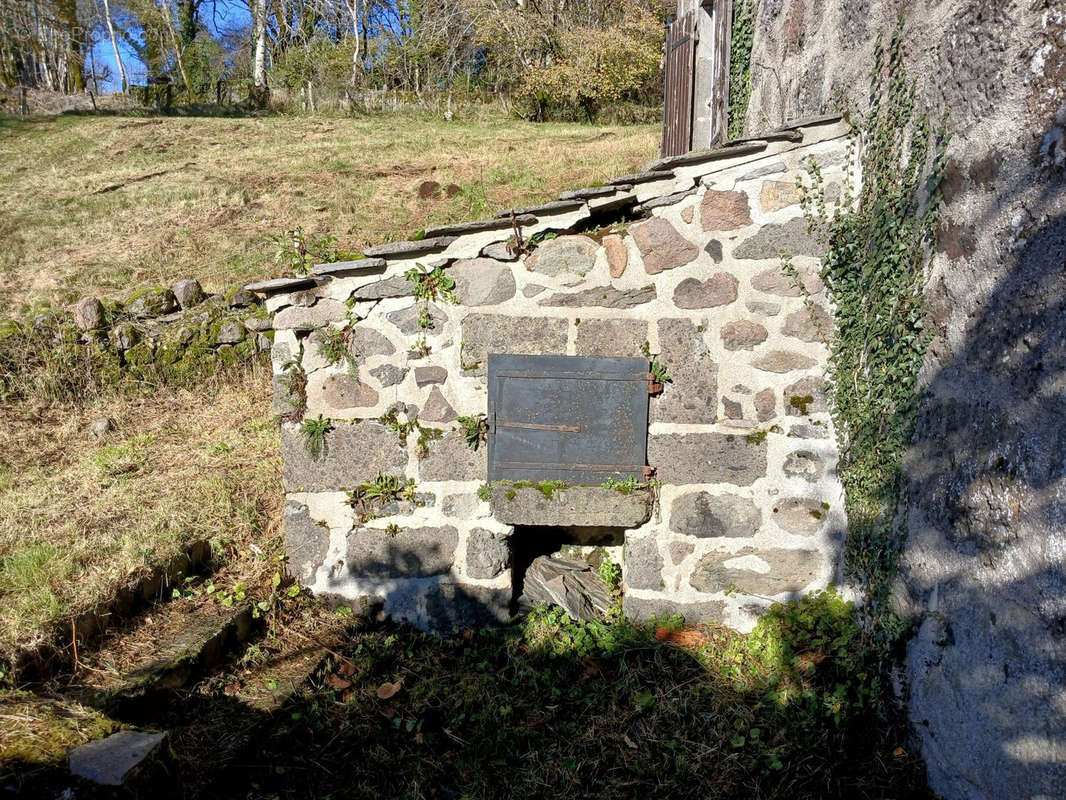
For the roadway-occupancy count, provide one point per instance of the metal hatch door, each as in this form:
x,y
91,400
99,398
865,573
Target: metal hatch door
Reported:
x,y
576,419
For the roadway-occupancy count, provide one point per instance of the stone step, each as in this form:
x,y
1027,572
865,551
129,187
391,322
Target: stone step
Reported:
x,y
162,650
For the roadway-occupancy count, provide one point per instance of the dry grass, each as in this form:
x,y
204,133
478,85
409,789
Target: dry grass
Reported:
x,y
222,187
40,730
78,516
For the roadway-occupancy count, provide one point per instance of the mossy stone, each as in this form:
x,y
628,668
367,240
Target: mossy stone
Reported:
x,y
168,353
245,350
140,354
227,356
124,336
152,302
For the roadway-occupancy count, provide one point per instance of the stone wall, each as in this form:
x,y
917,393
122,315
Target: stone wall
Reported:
x,y
740,439
983,578
176,335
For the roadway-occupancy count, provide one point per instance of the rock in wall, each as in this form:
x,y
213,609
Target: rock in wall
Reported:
x,y
983,573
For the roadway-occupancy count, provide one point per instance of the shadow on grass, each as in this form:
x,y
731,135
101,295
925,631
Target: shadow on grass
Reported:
x,y
547,708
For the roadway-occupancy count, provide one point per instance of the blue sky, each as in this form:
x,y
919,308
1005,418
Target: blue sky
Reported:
x,y
218,18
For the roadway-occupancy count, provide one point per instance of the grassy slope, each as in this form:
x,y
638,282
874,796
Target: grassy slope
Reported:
x,y
77,515
231,184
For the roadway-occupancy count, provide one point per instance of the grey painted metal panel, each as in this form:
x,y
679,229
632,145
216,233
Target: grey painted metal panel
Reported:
x,y
576,419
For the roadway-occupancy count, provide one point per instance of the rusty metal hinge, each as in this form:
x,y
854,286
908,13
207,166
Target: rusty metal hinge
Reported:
x,y
648,472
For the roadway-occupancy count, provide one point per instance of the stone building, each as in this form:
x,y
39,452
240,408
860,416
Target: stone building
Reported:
x,y
388,504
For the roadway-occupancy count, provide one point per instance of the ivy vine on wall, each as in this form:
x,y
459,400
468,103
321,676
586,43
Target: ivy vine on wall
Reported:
x,y
880,240
740,65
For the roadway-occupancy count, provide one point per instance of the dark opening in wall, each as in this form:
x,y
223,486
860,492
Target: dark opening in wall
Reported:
x,y
583,548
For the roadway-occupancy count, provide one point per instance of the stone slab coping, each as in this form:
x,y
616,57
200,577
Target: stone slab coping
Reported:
x,y
579,506
497,223
284,284
808,122
592,191
713,154
783,135
427,245
647,176
347,267
110,761
553,207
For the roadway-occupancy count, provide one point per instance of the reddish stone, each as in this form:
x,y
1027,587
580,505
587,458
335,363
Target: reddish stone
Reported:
x,y
617,254
724,211
743,334
776,195
661,246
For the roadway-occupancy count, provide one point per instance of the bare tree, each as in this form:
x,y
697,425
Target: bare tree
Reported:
x,y
114,45
259,75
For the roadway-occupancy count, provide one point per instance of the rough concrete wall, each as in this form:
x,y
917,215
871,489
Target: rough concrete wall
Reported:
x,y
983,571
741,439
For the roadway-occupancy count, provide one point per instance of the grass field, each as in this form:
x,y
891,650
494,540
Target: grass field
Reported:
x,y
101,204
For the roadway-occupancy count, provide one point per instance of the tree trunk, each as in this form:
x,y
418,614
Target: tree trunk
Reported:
x,y
165,11
114,44
259,77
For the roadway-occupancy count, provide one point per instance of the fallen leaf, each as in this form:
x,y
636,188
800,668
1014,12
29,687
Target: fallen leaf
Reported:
x,y
337,682
898,752
662,634
629,742
689,637
418,737
347,669
387,690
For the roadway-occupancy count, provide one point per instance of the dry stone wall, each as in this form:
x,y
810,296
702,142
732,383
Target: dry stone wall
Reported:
x,y
748,508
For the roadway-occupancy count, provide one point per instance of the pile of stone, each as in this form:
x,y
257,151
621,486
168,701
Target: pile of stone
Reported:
x,y
574,586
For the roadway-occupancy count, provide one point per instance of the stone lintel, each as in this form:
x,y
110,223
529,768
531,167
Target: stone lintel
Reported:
x,y
578,506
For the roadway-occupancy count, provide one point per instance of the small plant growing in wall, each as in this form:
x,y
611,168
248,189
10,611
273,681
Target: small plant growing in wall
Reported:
x,y
624,486
428,285
475,430
659,374
294,381
300,251
333,345
314,432
370,497
610,574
